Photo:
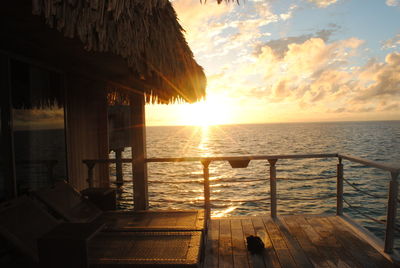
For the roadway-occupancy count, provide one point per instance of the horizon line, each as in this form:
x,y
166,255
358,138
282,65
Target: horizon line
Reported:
x,y
288,122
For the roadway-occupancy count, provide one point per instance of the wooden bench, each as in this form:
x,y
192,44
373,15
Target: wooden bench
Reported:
x,y
22,223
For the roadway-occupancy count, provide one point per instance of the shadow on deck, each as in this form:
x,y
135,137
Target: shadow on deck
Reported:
x,y
290,241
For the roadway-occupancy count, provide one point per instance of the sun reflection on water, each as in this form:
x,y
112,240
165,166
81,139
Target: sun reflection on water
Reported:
x,y
224,213
204,142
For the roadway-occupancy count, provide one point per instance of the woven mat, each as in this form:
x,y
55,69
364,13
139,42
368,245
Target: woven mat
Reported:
x,y
145,248
154,220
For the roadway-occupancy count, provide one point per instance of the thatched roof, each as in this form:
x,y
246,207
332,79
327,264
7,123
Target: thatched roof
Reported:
x,y
145,33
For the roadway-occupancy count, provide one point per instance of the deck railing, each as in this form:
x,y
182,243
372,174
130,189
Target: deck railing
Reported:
x,y
243,161
392,195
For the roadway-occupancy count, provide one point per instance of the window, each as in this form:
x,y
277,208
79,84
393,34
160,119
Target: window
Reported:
x,y
37,127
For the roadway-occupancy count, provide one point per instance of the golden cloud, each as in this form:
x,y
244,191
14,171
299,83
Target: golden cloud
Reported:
x,y
310,70
325,3
393,3
381,80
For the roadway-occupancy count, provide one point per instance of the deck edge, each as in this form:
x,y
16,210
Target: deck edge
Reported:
x,y
370,238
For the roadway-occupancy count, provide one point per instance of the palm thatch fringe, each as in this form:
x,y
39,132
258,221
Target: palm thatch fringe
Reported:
x,y
144,32
34,87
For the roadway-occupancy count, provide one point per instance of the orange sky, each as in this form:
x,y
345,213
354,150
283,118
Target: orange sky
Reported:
x,y
291,61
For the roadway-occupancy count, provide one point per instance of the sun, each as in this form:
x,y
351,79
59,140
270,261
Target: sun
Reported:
x,y
213,111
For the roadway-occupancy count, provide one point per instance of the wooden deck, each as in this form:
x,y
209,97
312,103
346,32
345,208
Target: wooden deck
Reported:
x,y
290,241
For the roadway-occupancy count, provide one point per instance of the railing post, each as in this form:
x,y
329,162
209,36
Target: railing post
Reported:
x,y
206,174
339,189
139,164
272,184
391,212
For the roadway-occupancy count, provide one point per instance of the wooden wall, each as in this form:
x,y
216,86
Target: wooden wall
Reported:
x,y
8,187
86,123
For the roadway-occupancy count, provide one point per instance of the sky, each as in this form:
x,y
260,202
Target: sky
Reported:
x,y
269,61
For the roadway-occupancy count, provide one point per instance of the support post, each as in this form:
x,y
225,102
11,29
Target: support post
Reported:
x,y
391,212
118,167
272,185
139,165
339,190
90,165
206,175
7,135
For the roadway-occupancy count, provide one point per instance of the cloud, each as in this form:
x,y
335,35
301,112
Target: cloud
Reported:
x,y
314,55
338,110
280,46
280,90
390,107
325,3
393,3
309,72
215,32
314,73
201,22
382,106
381,79
392,42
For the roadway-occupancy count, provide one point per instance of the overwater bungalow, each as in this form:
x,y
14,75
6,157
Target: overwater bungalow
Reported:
x,y
83,56
66,62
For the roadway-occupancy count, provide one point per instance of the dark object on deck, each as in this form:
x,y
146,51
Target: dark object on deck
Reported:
x,y
255,244
103,198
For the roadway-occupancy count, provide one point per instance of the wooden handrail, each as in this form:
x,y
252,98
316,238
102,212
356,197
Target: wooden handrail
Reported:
x,y
105,161
366,162
237,158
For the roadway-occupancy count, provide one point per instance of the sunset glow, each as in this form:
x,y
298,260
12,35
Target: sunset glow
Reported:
x,y
291,61
212,111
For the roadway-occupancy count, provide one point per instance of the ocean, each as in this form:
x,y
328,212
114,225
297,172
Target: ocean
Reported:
x,y
303,186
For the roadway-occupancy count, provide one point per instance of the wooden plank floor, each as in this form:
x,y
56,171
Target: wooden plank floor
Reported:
x,y
290,241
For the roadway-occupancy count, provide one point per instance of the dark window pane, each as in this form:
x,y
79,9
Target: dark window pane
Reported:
x,y
38,119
